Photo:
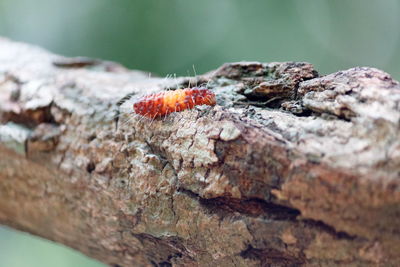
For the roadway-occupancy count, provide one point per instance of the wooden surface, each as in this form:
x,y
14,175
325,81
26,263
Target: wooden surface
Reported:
x,y
288,168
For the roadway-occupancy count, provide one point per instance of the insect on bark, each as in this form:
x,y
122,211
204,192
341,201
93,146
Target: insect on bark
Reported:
x,y
163,103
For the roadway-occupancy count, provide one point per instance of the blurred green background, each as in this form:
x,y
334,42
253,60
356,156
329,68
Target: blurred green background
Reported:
x,y
167,37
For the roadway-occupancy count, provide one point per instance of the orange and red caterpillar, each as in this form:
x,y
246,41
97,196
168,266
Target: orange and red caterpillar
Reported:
x,y
163,103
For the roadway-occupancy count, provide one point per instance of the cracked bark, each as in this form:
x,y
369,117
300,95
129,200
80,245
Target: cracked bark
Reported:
x,y
289,168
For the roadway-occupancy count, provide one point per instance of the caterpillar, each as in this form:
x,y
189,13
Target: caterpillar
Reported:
x,y
163,103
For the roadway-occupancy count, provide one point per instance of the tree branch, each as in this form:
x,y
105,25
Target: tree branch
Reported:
x,y
289,168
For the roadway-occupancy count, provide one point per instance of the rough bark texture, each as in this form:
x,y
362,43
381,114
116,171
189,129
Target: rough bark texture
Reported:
x,y
288,168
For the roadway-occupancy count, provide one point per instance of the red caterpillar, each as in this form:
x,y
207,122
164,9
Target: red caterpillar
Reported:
x,y
163,103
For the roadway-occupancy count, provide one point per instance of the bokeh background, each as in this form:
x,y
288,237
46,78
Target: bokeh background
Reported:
x,y
167,37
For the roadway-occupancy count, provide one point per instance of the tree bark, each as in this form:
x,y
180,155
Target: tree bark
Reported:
x,y
289,167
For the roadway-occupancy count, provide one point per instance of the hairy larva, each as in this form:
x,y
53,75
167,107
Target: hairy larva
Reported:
x,y
163,103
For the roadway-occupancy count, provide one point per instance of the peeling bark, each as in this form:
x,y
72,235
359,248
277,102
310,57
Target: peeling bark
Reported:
x,y
289,168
